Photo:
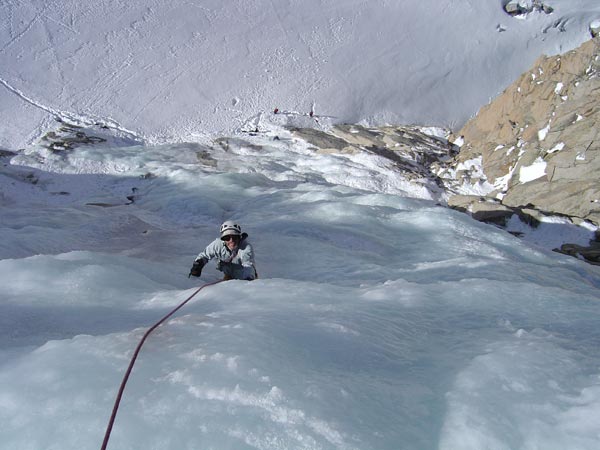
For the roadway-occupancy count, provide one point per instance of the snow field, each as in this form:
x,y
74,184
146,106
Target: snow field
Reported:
x,y
189,71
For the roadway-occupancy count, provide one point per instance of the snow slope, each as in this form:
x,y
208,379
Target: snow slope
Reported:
x,y
185,70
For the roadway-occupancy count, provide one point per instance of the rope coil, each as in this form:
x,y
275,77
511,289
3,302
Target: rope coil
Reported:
x,y
134,357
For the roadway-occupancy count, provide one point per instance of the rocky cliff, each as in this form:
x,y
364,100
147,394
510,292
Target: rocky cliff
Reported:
x,y
535,149
538,141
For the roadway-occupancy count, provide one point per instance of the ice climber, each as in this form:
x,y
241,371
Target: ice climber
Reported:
x,y
234,254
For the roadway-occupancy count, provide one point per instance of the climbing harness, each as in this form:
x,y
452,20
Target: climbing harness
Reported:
x,y
134,357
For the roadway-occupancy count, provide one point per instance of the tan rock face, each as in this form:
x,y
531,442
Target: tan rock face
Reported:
x,y
549,117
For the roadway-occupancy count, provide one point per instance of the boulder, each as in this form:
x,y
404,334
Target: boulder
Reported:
x,y
481,208
590,253
518,7
324,142
513,8
575,199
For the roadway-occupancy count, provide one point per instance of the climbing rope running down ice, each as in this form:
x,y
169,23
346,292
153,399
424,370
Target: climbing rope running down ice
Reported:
x,y
134,357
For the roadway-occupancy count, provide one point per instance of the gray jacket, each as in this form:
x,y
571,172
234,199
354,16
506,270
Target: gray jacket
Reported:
x,y
238,264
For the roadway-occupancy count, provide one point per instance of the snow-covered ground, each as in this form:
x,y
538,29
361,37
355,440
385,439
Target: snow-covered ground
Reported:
x,y
185,70
381,320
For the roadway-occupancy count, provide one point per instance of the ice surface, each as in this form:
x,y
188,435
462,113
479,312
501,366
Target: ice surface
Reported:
x,y
380,320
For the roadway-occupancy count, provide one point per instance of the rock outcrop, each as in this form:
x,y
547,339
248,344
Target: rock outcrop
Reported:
x,y
538,142
411,149
521,7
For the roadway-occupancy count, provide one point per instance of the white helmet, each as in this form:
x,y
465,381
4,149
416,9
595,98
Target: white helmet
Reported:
x,y
229,227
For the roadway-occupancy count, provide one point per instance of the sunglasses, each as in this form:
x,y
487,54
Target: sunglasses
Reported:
x,y
230,237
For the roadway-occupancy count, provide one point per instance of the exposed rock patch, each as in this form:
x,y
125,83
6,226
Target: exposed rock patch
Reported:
x,y
408,147
539,140
536,147
325,142
67,136
6,153
523,7
482,208
591,253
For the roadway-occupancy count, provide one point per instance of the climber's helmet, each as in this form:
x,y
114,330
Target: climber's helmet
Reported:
x,y
230,228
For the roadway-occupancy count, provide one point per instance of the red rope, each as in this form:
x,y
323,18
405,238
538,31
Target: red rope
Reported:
x,y
134,357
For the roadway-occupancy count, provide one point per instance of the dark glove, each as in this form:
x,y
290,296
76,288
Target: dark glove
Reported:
x,y
196,270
